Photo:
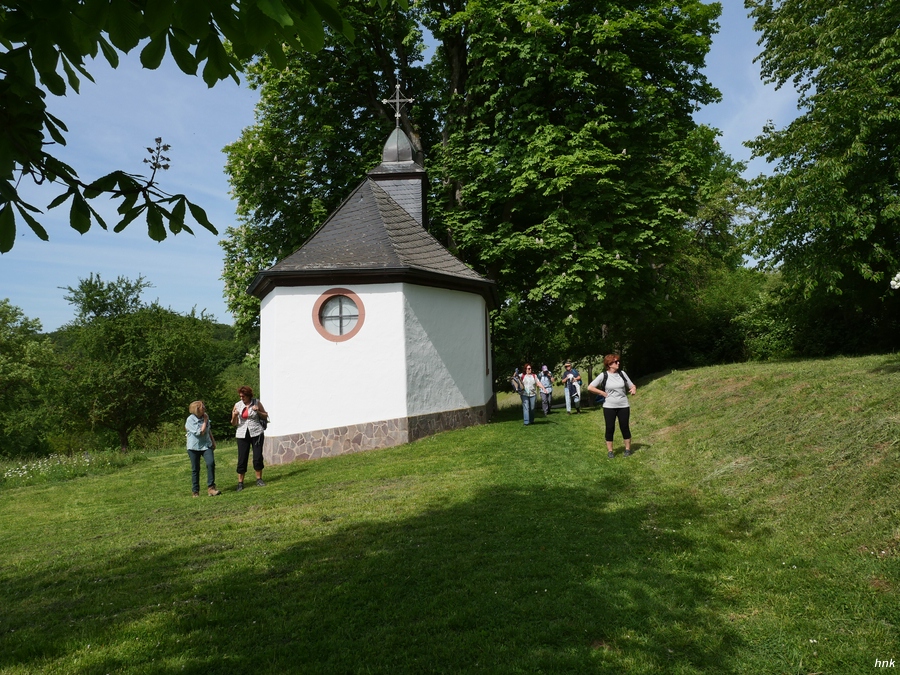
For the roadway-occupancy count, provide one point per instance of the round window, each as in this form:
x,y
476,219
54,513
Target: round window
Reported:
x,y
338,314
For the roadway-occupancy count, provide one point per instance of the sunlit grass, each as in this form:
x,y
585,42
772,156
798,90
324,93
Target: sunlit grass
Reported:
x,y
755,530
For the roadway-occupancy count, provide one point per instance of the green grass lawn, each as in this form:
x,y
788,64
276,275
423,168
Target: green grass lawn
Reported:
x,y
756,529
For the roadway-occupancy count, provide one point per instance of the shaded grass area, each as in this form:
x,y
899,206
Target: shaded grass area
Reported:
x,y
743,536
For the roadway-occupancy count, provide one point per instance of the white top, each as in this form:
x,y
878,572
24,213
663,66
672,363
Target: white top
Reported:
x,y
247,426
616,394
530,381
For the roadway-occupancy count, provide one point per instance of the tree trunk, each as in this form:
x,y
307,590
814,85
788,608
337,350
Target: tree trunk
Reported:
x,y
123,440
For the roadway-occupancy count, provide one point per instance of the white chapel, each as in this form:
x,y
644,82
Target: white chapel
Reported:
x,y
372,333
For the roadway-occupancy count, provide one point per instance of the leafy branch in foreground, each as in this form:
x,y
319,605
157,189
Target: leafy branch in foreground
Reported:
x,y
138,195
44,46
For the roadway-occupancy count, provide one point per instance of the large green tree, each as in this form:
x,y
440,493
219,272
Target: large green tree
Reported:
x,y
25,356
828,215
568,161
702,287
46,47
558,136
136,366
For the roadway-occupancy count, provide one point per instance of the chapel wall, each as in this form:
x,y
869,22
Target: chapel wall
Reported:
x,y
369,436
446,350
308,382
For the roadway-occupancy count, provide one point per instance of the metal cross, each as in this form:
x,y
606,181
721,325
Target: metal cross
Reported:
x,y
397,103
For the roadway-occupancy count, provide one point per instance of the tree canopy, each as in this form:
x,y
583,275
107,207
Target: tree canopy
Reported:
x,y
45,50
94,298
24,354
558,136
127,364
828,215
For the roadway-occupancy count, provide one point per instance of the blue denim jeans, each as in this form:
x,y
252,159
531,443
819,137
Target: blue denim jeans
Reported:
x,y
528,408
207,455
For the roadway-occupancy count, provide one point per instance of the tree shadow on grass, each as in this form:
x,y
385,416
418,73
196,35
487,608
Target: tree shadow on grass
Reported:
x,y
548,579
889,366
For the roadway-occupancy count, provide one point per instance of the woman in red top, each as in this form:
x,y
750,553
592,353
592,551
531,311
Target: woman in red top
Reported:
x,y
246,416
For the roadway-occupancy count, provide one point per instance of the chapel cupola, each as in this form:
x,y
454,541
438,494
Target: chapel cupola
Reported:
x,y
397,149
399,174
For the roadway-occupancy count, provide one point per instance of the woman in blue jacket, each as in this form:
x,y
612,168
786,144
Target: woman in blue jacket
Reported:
x,y
201,443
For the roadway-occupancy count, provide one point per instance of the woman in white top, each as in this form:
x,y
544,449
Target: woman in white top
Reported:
x,y
530,382
616,387
246,416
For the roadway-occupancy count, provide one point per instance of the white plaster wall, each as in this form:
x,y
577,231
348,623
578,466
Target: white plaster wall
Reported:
x,y
309,383
445,350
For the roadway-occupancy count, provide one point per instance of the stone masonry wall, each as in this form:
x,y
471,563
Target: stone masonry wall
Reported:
x,y
369,436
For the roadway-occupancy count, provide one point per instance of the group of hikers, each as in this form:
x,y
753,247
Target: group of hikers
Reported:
x,y
612,388
250,418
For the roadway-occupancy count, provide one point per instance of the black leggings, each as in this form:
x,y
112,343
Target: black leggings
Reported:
x,y
610,415
244,446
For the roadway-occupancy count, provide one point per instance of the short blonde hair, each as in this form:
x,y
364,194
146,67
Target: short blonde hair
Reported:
x,y
195,408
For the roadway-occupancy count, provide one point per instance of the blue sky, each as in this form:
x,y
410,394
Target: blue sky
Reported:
x,y
113,121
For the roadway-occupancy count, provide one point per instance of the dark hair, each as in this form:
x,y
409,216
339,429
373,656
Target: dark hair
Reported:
x,y
526,367
245,390
608,360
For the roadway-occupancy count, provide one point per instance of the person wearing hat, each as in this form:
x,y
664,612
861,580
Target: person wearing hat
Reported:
x,y
572,384
546,378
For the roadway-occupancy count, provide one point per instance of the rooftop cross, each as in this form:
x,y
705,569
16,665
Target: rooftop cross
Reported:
x,y
397,103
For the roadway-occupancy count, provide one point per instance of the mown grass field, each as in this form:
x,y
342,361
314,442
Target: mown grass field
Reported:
x,y
756,529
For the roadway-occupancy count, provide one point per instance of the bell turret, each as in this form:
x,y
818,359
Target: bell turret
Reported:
x,y
399,174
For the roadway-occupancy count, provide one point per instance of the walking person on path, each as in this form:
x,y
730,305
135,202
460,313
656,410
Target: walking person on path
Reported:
x,y
530,383
572,385
546,378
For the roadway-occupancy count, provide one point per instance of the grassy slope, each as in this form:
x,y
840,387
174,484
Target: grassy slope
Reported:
x,y
755,530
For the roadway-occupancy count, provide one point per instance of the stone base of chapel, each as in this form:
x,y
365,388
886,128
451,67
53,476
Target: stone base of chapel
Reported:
x,y
369,435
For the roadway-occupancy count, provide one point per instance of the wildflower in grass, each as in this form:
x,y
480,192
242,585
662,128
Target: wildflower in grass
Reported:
x,y
62,467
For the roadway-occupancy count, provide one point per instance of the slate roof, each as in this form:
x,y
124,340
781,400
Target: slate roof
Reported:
x,y
370,238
